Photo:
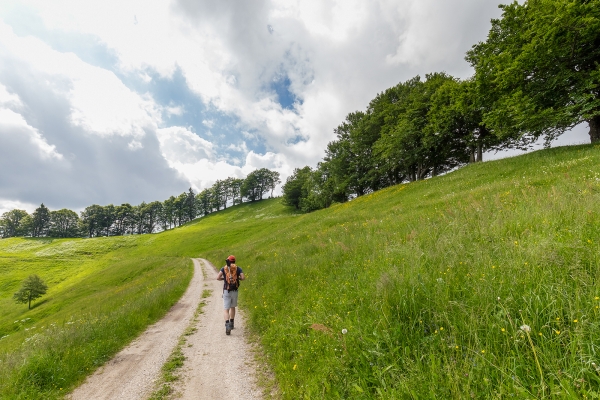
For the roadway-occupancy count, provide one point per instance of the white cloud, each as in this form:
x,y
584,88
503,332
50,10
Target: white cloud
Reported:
x,y
8,205
100,102
178,144
176,110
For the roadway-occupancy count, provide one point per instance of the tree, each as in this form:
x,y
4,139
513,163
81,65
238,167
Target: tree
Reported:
x,y
235,188
108,219
539,68
294,189
33,287
258,182
320,188
250,187
150,215
10,223
405,142
203,202
92,220
272,181
168,214
123,219
40,221
190,205
63,223
180,209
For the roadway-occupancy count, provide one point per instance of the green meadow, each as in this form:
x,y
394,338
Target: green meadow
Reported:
x,y
482,283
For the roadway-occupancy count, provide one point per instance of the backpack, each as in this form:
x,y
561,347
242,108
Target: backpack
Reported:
x,y
231,277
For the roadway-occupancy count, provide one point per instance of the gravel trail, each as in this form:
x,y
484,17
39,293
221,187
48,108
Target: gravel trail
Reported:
x,y
132,374
217,366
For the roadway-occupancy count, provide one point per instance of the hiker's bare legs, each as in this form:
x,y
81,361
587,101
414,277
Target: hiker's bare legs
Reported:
x,y
229,313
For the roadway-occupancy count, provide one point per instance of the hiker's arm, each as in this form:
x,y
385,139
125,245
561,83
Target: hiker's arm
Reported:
x,y
242,277
220,276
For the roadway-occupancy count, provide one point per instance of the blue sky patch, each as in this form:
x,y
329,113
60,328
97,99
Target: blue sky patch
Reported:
x,y
281,86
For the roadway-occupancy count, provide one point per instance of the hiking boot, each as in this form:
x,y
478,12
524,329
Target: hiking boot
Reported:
x,y
231,324
227,328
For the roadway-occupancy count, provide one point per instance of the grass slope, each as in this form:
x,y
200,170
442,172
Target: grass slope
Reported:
x,y
432,281
102,293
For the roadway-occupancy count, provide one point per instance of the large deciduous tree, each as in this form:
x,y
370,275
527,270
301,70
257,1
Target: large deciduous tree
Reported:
x,y
63,223
10,223
259,182
294,189
540,68
92,220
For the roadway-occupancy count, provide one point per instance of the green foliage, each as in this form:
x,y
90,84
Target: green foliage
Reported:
x,y
259,182
11,223
540,68
63,223
40,221
294,189
33,288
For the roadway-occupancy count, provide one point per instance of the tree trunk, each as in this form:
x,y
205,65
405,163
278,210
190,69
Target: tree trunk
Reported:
x,y
594,129
479,151
472,159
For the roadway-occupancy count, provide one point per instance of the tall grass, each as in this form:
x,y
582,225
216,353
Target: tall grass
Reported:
x,y
483,283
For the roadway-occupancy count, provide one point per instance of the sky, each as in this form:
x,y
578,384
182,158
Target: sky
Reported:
x,y
107,102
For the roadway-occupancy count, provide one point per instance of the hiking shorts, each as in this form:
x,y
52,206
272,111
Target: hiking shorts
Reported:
x,y
230,299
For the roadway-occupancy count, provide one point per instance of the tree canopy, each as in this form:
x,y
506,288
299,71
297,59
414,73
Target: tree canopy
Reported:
x,y
540,68
33,287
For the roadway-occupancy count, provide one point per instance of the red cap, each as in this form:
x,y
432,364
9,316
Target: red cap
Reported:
x,y
231,258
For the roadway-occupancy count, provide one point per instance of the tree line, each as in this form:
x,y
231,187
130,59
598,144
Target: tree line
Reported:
x,y
125,219
536,76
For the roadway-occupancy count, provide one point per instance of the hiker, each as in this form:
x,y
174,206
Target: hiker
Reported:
x,y
231,274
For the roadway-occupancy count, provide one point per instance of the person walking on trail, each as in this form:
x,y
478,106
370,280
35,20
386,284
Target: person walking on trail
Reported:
x,y
231,274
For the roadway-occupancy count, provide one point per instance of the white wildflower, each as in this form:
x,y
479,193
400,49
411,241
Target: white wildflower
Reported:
x,y
344,331
525,328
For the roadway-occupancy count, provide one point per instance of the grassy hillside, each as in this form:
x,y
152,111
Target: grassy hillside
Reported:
x,y
431,281
482,283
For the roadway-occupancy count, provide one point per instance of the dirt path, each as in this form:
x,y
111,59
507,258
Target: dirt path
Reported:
x,y
133,372
217,366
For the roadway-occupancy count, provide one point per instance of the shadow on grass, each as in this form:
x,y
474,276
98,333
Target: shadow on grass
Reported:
x,y
39,303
